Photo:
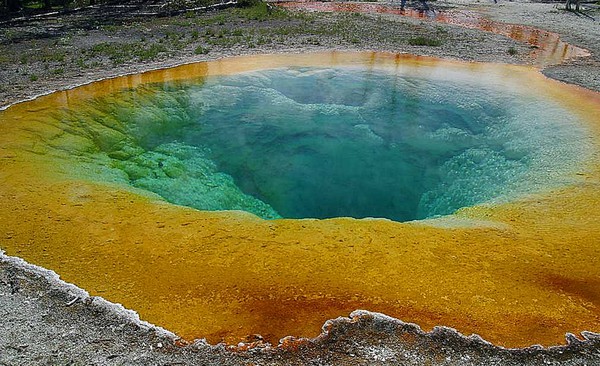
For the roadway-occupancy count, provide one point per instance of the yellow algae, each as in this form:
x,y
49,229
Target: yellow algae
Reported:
x,y
520,273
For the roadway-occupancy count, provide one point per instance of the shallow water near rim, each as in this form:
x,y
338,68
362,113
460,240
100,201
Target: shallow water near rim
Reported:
x,y
334,142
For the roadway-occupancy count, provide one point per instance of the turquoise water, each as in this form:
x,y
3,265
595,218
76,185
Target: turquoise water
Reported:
x,y
331,142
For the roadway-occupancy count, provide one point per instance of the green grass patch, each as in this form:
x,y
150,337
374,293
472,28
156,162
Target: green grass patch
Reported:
x,y
54,56
201,50
110,28
149,53
261,12
80,62
119,53
425,41
238,32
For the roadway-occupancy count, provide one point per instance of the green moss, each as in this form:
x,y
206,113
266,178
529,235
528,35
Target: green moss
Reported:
x,y
261,11
201,50
424,41
119,53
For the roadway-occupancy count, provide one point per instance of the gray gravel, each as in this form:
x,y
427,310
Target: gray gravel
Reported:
x,y
579,30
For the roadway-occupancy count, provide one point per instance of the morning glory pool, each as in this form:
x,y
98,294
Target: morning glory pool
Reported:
x,y
87,175
324,142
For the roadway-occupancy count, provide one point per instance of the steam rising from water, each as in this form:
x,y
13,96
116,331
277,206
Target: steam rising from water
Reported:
x,y
307,142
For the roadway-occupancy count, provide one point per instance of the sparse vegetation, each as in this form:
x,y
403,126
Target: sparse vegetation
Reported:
x,y
512,51
53,55
75,50
119,53
260,11
425,41
201,50
150,39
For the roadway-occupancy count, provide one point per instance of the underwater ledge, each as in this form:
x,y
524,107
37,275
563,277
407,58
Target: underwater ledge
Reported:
x,y
364,335
83,192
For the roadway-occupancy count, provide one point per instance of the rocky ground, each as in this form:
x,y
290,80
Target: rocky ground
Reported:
x,y
44,321
60,51
575,29
51,53
48,322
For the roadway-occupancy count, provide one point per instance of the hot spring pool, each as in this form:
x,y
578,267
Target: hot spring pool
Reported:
x,y
195,195
323,142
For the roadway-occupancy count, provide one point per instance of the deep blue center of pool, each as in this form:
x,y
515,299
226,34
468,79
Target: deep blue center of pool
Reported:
x,y
323,143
